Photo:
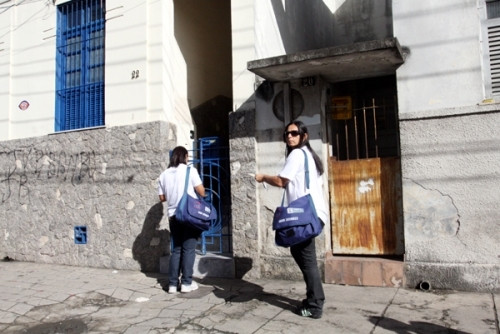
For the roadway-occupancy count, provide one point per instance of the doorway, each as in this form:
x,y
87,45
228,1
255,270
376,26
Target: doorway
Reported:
x,y
364,168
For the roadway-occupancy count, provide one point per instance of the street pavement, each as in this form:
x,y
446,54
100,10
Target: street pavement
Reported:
x,y
46,298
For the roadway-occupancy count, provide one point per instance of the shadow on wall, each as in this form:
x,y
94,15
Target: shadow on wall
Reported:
x,y
152,243
353,21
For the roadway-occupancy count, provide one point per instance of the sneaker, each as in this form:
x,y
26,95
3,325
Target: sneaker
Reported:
x,y
188,288
309,313
172,289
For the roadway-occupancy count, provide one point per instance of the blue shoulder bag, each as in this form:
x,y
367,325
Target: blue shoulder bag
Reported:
x,y
297,222
195,211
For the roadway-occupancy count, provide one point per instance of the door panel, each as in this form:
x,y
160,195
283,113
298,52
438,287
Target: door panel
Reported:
x,y
364,206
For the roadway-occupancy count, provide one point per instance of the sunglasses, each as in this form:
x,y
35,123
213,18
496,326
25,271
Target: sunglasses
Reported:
x,y
294,133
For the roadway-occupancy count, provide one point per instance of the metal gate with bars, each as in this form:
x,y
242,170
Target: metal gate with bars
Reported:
x,y
370,132
212,159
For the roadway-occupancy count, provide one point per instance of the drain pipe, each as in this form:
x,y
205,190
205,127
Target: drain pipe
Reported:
x,y
425,286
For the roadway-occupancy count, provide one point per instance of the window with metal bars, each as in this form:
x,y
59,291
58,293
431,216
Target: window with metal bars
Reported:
x,y
491,60
80,65
371,129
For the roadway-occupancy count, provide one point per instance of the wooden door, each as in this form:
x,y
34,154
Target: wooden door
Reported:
x,y
364,195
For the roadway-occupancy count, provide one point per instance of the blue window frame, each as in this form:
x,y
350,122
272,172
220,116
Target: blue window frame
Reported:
x,y
80,65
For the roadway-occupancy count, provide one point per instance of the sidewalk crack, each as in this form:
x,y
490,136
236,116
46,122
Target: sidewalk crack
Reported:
x,y
495,312
382,316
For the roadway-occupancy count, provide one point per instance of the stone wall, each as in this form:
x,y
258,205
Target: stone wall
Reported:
x,y
245,227
103,179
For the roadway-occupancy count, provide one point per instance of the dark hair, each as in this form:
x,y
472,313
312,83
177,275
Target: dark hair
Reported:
x,y
178,156
303,142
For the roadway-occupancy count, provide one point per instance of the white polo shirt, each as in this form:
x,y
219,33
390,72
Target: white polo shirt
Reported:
x,y
171,184
294,171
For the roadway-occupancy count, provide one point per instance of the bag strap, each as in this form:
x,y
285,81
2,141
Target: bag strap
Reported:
x,y
187,180
306,168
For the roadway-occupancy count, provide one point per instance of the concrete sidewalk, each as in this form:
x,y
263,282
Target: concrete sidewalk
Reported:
x,y
42,298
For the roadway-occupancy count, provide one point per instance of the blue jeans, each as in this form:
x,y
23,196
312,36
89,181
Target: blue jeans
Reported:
x,y
184,239
304,255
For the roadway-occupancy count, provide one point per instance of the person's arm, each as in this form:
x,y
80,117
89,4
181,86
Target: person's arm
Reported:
x,y
200,190
286,174
274,180
195,179
162,198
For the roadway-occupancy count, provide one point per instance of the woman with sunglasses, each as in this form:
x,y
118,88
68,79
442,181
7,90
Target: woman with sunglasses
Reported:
x,y
292,178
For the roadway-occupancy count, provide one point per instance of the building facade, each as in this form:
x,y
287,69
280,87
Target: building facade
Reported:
x,y
93,96
400,99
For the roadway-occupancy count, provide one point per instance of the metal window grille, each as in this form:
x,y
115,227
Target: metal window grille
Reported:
x,y
493,9
371,132
494,57
80,65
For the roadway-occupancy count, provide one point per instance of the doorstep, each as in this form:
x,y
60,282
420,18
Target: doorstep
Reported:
x,y
363,271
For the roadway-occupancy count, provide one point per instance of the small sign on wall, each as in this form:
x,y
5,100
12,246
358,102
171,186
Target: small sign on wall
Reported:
x,y
80,234
341,107
24,105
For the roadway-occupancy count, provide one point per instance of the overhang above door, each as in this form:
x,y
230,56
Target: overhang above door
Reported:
x,y
335,64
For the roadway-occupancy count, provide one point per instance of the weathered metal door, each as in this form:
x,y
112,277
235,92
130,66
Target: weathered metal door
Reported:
x,y
364,176
364,206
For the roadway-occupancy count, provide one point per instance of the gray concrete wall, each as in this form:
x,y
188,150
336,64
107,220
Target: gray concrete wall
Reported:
x,y
104,179
451,170
449,147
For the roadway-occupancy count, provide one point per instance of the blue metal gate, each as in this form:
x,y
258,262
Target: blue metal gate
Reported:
x,y
212,161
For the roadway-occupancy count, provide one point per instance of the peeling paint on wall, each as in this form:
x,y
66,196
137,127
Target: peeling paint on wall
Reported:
x,y
429,213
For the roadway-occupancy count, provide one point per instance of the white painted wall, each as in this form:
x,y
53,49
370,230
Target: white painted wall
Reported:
x,y
139,37
443,67
243,27
5,45
28,69
267,34
126,51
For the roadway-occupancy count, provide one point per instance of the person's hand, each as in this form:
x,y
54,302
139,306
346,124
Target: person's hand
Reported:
x,y
259,177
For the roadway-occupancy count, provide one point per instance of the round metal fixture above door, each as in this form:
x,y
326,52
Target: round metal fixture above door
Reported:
x,y
296,105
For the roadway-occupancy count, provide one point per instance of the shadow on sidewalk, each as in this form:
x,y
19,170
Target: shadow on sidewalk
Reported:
x,y
238,290
232,290
413,326
241,291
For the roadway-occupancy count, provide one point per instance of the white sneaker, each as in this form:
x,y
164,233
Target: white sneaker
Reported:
x,y
188,288
172,289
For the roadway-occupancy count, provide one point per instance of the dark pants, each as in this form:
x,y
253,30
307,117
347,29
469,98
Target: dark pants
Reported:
x,y
184,239
305,256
